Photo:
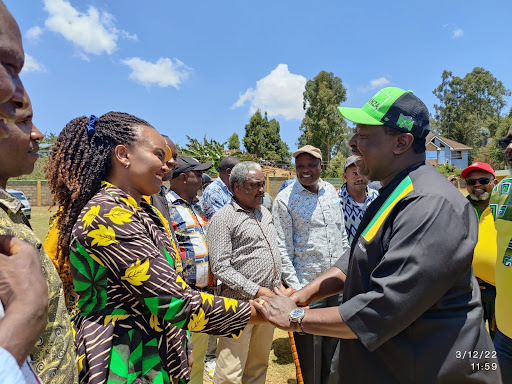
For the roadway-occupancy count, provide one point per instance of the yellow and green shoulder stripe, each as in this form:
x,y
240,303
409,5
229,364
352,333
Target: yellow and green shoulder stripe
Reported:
x,y
403,189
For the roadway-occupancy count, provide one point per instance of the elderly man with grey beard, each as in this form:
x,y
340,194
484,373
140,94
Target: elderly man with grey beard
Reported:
x,y
480,180
244,256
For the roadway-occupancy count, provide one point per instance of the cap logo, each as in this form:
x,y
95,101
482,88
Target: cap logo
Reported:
x,y
374,104
405,121
377,100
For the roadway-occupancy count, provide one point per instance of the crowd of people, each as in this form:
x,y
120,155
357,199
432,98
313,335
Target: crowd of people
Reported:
x,y
152,271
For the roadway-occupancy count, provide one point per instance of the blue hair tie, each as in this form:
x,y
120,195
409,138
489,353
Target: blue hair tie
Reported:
x,y
91,124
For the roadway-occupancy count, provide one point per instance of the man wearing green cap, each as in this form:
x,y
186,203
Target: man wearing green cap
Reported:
x,y
411,310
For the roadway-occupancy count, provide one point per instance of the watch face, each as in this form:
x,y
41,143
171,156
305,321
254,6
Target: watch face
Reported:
x,y
297,312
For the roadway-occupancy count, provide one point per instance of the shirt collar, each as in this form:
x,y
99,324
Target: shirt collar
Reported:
x,y
172,197
399,177
345,194
9,202
302,189
224,186
238,208
478,210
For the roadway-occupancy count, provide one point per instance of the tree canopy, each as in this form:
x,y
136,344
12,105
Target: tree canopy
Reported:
x,y
263,139
335,167
470,108
234,142
209,150
322,126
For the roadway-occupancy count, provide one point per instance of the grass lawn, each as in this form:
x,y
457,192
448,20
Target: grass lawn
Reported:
x,y
39,221
281,368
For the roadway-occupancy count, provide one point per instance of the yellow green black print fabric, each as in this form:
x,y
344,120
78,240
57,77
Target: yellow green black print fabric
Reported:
x,y
53,357
134,309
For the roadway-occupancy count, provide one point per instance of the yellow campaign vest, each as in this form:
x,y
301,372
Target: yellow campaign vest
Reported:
x,y
484,259
503,279
500,204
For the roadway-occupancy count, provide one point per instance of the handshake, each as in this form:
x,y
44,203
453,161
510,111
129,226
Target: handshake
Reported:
x,y
276,307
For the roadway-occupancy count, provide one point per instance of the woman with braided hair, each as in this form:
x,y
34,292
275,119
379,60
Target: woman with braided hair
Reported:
x,y
133,307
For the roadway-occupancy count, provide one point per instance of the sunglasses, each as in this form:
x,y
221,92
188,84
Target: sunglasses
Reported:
x,y
482,181
504,143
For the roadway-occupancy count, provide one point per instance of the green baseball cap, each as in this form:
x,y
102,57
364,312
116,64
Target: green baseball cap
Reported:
x,y
395,108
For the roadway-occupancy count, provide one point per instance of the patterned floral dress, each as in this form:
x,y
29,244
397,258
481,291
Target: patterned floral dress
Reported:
x,y
134,307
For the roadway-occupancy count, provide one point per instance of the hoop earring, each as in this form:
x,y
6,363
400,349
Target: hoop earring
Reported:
x,y
127,165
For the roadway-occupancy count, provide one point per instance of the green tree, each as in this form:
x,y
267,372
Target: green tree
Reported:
x,y
335,167
234,142
49,138
496,154
263,139
209,150
448,169
322,125
253,139
466,105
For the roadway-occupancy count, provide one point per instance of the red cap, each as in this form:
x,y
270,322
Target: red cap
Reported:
x,y
481,166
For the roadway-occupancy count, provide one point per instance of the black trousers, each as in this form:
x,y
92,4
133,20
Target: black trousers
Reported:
x,y
319,355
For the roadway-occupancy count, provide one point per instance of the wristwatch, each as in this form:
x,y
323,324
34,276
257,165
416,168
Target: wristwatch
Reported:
x,y
296,316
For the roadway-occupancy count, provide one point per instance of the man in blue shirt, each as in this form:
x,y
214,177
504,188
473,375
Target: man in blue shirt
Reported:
x,y
217,194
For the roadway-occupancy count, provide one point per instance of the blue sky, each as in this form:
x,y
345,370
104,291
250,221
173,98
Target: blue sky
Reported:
x,y
202,67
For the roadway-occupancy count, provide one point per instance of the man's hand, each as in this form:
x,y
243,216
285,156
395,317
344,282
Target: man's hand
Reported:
x,y
24,294
299,299
263,292
286,291
21,278
276,309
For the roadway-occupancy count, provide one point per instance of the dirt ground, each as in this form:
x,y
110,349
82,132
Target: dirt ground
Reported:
x,y
267,170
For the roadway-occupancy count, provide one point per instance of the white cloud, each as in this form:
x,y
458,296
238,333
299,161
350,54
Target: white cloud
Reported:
x,y
34,33
278,93
379,83
164,73
457,33
32,65
93,32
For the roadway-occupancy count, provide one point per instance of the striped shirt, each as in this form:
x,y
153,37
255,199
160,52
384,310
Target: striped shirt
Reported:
x,y
243,251
190,223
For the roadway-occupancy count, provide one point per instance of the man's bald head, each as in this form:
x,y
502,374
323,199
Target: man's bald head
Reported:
x,y
11,62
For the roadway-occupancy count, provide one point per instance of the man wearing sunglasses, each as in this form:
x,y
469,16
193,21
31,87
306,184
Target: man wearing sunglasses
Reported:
x,y
480,180
500,204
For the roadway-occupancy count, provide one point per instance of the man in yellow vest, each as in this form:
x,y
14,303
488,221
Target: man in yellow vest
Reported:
x,y
500,204
480,180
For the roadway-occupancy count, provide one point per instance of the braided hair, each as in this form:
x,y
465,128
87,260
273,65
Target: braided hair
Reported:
x,y
80,159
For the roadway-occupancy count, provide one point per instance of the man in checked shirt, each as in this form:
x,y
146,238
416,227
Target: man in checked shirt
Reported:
x,y
242,243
